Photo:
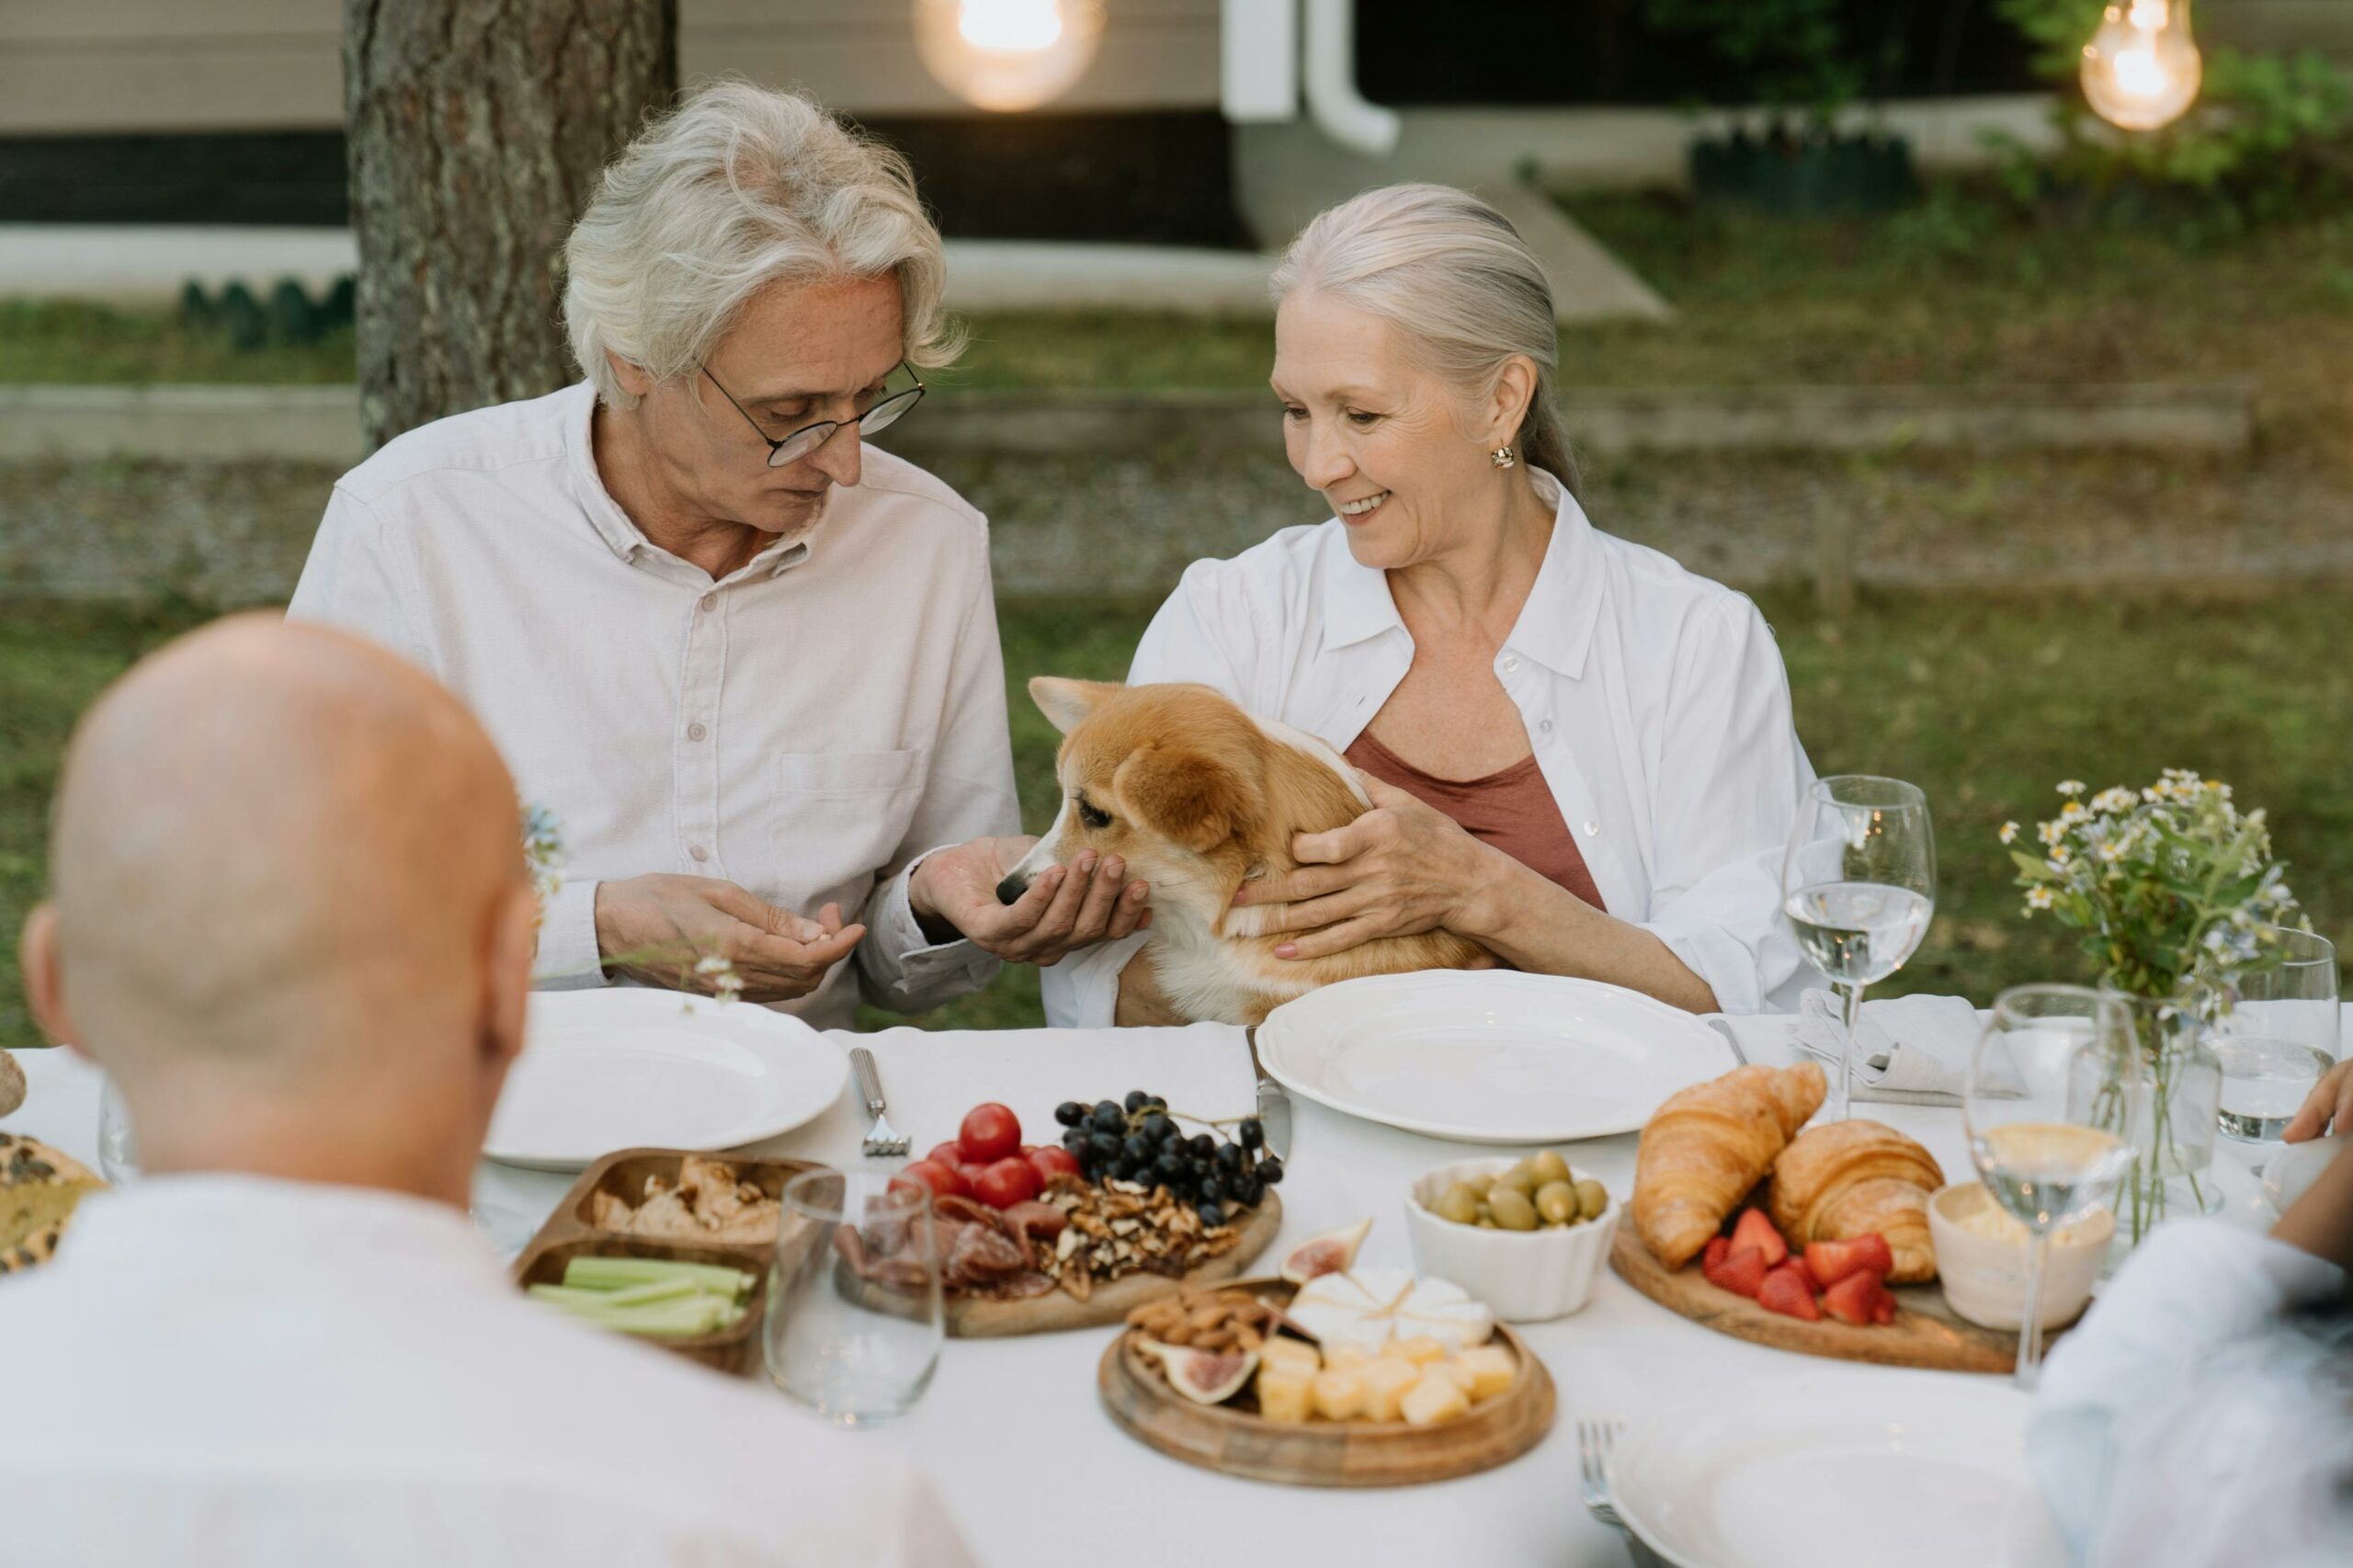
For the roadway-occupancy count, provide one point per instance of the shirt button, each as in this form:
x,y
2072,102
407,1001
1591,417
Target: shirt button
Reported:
x,y
695,732
698,852
702,605
1511,663
1546,726
1590,829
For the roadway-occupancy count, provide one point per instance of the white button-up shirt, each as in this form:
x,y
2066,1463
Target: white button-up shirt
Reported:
x,y
2201,1416
807,727
1655,701
225,1370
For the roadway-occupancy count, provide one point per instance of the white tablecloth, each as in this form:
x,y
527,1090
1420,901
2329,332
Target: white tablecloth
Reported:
x,y
1011,1427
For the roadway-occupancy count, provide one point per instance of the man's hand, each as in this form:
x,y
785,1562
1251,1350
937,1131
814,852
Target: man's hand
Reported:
x,y
655,928
1066,908
2330,1103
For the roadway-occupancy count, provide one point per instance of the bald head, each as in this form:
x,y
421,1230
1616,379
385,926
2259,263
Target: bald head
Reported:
x,y
282,865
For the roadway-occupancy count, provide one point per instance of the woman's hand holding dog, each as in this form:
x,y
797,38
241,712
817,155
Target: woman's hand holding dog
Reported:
x,y
1403,868
1065,908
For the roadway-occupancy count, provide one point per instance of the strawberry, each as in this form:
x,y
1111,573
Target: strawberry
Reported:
x,y
1883,1307
1718,1248
1785,1291
1852,1298
1741,1273
1829,1262
1756,1231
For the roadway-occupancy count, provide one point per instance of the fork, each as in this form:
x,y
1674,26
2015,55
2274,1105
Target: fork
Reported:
x,y
881,1142
1594,1440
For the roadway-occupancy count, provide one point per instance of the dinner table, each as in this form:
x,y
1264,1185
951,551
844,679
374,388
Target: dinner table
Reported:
x,y
1012,1429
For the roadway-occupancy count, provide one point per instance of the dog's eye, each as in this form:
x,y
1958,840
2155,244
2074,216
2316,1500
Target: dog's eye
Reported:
x,y
1092,817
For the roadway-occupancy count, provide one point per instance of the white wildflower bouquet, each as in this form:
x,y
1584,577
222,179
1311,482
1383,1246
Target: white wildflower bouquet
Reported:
x,y
2171,885
543,855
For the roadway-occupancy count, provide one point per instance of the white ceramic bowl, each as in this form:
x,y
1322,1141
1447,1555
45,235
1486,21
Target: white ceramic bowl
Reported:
x,y
1523,1276
1985,1279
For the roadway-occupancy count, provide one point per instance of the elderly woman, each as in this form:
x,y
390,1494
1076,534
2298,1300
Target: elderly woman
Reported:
x,y
1579,755
750,666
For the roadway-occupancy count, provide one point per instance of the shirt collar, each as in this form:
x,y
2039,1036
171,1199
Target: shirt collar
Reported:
x,y
225,1216
1555,626
613,524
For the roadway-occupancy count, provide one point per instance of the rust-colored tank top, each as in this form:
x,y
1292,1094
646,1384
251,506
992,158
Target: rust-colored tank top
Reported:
x,y
1513,809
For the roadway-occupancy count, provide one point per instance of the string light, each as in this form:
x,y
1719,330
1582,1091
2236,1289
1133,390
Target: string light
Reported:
x,y
2142,69
1007,55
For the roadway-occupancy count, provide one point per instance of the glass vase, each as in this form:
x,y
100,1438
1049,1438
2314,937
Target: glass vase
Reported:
x,y
2176,1117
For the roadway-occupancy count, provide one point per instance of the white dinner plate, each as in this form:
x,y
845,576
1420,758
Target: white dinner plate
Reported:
x,y
1489,1056
629,1067
1838,1470
2296,1167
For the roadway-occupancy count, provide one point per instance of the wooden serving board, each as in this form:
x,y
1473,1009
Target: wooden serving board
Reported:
x,y
1236,1440
1926,1332
1109,1304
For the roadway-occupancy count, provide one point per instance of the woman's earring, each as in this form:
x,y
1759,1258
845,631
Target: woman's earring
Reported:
x,y
1503,457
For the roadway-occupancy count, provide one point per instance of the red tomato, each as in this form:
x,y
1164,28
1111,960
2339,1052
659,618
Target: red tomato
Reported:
x,y
1052,1160
1008,1182
970,1171
944,1180
950,1154
990,1133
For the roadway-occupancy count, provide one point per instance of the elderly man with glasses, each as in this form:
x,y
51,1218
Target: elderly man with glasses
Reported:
x,y
750,664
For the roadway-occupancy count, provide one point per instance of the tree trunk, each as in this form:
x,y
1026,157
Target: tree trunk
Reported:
x,y
477,129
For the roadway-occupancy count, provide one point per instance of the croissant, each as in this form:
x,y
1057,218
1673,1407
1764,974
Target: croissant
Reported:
x,y
1850,1178
1708,1146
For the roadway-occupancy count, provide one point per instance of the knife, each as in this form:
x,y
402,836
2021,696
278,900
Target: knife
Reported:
x,y
1274,1103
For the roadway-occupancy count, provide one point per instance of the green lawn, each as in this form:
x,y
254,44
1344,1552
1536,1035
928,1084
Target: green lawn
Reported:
x,y
1986,704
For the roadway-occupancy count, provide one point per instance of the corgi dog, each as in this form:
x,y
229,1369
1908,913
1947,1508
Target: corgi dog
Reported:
x,y
1198,797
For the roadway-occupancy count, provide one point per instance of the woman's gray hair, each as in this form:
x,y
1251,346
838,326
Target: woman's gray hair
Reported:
x,y
738,188
1452,274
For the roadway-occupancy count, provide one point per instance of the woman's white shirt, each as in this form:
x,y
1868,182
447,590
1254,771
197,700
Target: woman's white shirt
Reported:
x,y
1654,699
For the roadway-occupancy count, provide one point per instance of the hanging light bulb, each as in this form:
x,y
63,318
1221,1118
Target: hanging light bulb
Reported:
x,y
2142,69
1007,55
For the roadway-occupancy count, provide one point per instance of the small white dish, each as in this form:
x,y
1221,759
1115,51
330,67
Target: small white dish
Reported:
x,y
1523,1276
1984,1277
1837,1469
1489,1056
637,1068
2295,1167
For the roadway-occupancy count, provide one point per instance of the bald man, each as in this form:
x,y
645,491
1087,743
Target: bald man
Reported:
x,y
290,917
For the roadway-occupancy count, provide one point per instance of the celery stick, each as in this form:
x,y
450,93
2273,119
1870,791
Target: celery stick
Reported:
x,y
658,1290
619,1273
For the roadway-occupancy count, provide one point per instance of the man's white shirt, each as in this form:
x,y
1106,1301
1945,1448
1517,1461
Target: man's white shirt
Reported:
x,y
228,1369
807,727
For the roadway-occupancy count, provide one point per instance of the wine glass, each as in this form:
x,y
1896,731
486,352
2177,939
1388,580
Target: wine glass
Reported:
x,y
2052,1107
1858,885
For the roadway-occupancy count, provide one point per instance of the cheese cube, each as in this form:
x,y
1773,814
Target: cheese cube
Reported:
x,y
1339,1394
1420,1350
1434,1399
1491,1370
1282,1396
1290,1356
1385,1383
1454,1372
1346,1355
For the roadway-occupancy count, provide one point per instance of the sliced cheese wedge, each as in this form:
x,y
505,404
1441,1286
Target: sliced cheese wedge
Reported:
x,y
1370,1307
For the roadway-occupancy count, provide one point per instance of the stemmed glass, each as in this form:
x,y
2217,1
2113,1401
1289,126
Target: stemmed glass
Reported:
x,y
1859,883
2052,1107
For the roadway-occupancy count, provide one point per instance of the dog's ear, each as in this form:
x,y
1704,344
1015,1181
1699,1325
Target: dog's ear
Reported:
x,y
1065,703
1197,799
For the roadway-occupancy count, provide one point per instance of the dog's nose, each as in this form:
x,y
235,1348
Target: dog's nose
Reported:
x,y
1009,890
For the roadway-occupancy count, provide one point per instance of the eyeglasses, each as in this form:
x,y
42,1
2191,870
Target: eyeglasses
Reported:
x,y
809,437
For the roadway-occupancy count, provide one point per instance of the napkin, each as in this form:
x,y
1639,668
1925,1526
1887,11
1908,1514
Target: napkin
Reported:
x,y
931,1077
1908,1049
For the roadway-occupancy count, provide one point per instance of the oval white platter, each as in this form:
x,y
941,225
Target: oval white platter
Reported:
x,y
1489,1056
633,1068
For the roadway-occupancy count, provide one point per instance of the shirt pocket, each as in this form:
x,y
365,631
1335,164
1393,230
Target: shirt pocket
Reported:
x,y
845,812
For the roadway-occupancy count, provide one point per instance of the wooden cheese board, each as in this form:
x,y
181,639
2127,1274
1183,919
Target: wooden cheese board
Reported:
x,y
970,1318
1234,1439
1926,1332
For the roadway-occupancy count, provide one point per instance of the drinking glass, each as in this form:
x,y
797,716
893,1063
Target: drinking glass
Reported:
x,y
1859,883
118,1149
854,1316
2266,1081
2051,1106
2295,1000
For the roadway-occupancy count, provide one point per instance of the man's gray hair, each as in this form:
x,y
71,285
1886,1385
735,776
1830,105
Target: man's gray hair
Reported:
x,y
738,188
1452,274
